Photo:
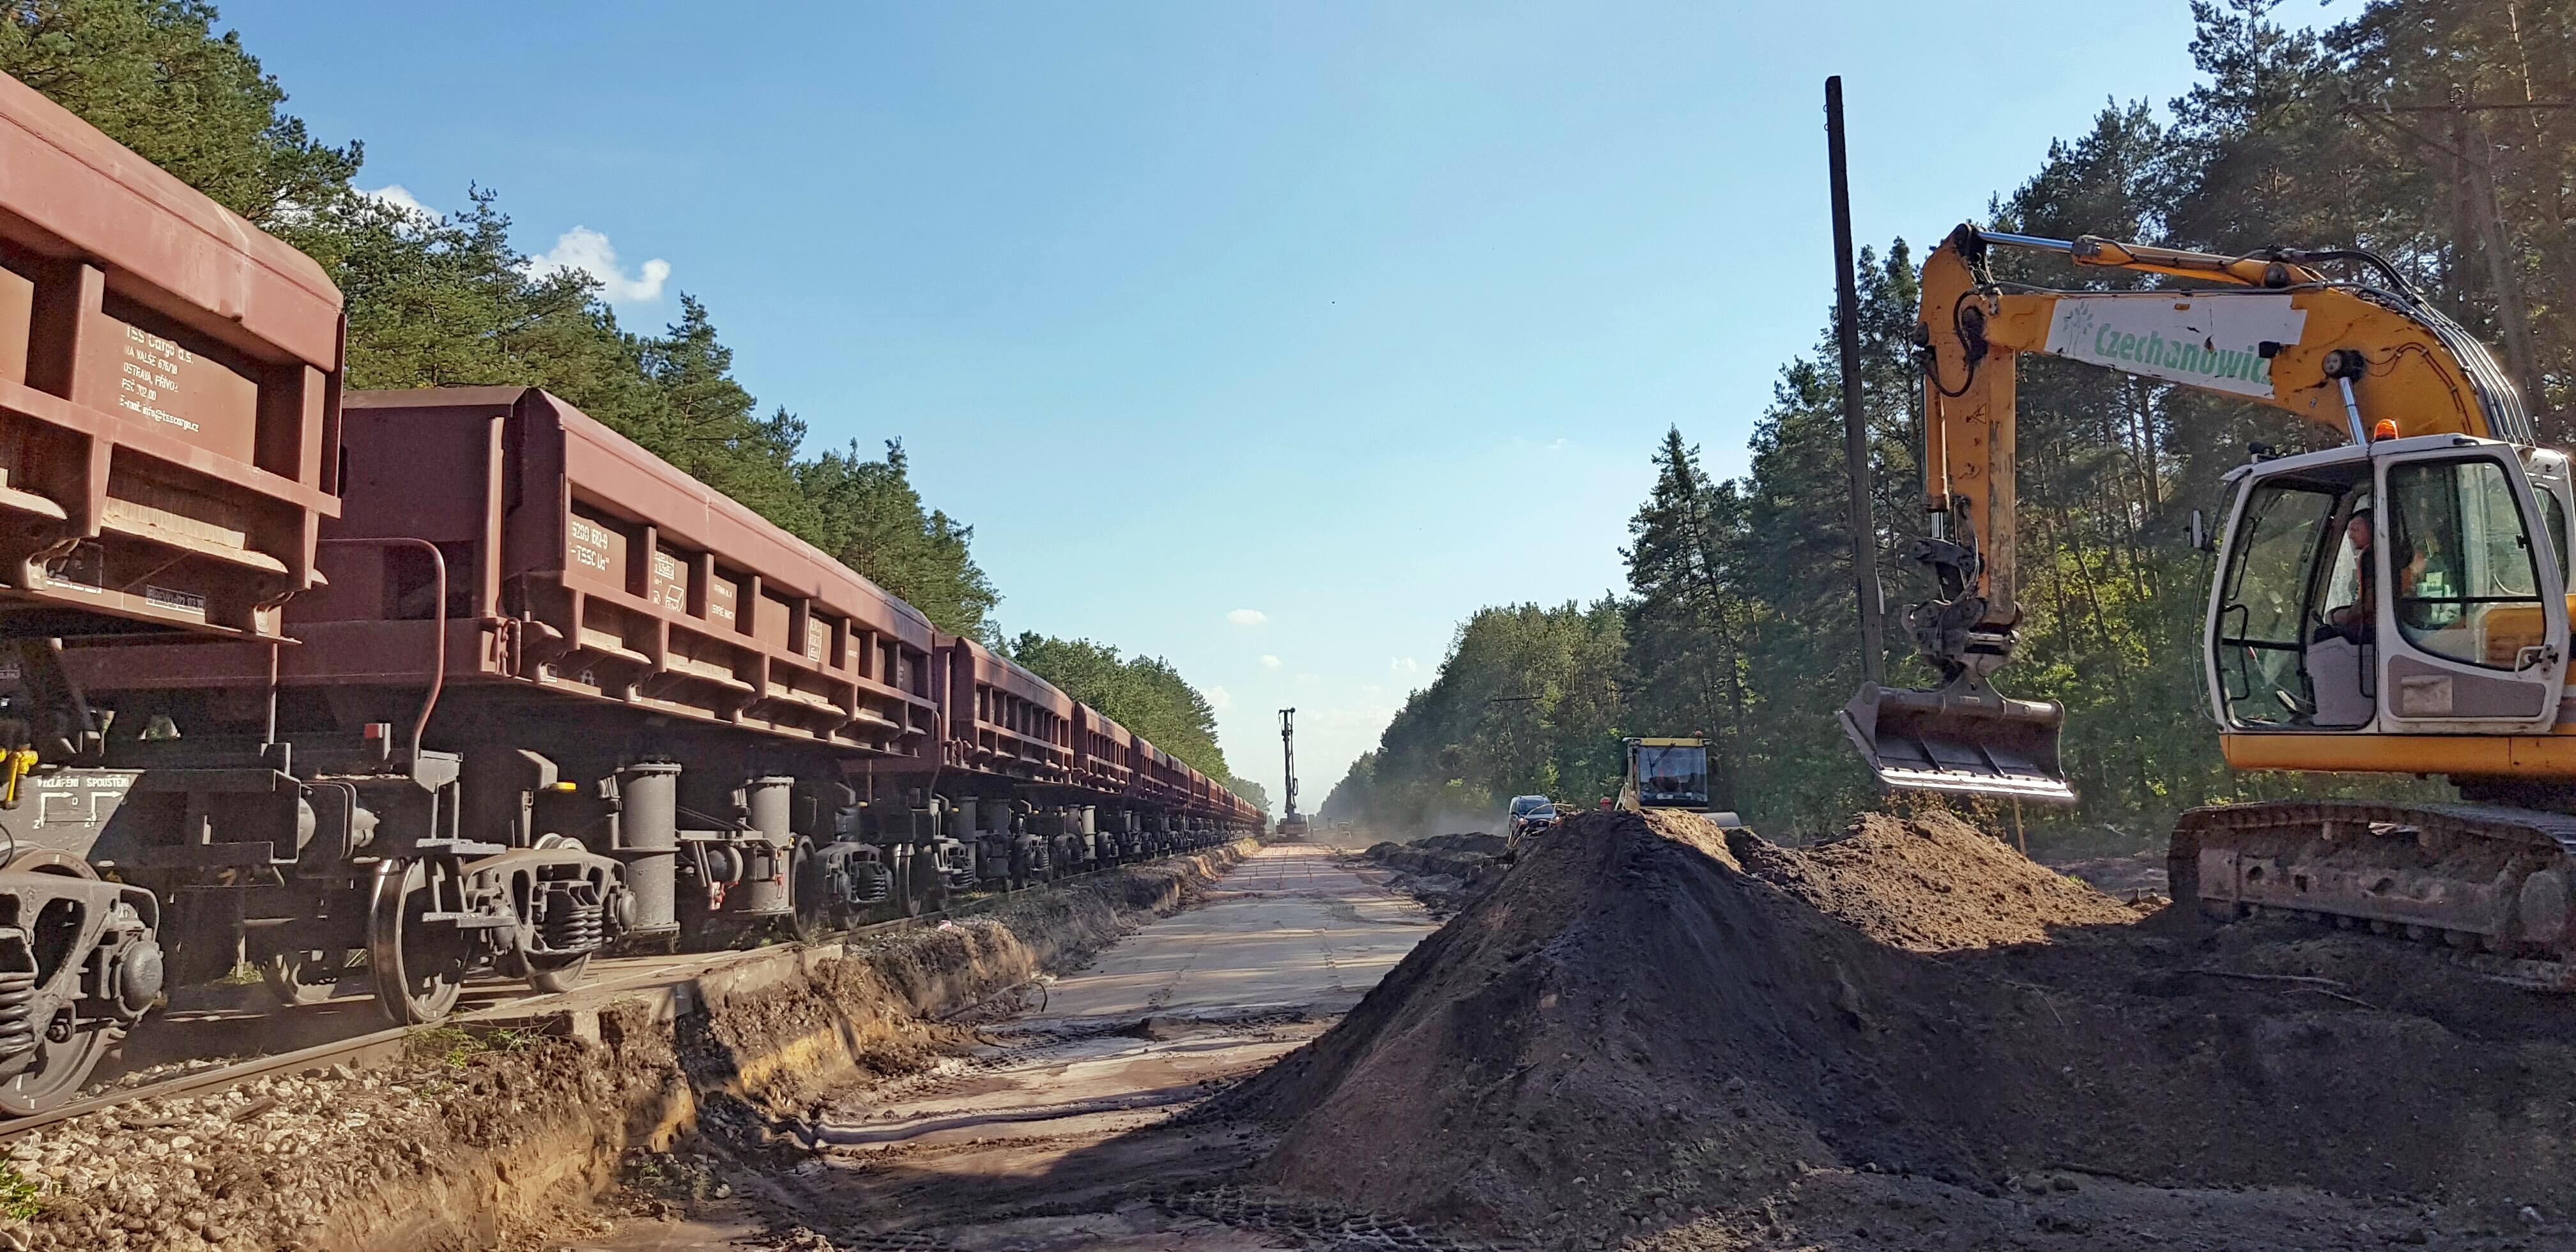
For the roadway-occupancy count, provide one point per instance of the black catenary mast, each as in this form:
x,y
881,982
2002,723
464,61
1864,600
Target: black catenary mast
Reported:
x,y
1864,540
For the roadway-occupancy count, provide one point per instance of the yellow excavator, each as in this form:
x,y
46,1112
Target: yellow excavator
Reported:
x,y
2396,605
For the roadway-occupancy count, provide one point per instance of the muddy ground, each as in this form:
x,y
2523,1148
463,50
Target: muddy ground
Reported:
x,y
1654,1034
1442,872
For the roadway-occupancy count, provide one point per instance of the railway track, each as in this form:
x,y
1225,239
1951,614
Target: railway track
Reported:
x,y
380,1045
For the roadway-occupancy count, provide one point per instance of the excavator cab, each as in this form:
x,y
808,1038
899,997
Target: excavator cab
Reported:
x,y
2405,586
2471,537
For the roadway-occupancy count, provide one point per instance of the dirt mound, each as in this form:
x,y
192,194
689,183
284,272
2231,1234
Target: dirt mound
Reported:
x,y
1930,883
1472,843
1646,1024
1415,858
1443,873
2139,875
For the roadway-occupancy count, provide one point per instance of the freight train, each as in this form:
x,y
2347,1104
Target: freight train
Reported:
x,y
418,686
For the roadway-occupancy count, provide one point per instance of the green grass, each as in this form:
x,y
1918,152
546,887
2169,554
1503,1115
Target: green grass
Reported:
x,y
17,1194
244,974
456,1047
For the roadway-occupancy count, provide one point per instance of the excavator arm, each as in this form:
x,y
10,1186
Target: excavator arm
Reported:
x,y
2367,358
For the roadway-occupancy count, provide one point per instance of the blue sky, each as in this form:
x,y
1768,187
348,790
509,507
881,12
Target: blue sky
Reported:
x,y
1270,338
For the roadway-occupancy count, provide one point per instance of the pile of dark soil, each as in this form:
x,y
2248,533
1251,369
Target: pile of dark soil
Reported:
x,y
2139,875
1471,843
1443,872
1655,1028
1928,883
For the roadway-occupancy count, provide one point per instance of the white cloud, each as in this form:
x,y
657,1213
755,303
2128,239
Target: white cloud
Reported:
x,y
1270,662
1218,698
588,251
1247,617
1404,665
396,196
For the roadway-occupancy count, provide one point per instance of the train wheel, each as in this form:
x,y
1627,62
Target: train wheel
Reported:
x,y
906,903
295,979
62,1067
65,1053
926,879
419,968
806,891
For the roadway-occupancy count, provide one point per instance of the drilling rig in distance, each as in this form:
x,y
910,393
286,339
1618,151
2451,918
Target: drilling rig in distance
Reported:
x,y
1292,825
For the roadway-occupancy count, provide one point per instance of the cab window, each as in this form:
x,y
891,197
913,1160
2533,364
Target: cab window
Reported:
x,y
2346,588
2553,526
2264,623
1673,773
2461,561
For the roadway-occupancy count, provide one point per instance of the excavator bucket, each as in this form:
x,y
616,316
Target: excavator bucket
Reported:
x,y
1961,738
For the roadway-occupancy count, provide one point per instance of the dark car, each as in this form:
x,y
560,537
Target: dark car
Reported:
x,y
1529,815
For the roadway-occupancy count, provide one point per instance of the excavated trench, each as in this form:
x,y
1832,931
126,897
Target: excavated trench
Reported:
x,y
1071,1121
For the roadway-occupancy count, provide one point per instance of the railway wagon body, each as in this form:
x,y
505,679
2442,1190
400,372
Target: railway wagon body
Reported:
x,y
534,691
1024,783
628,704
1005,761
1204,812
169,408
1162,787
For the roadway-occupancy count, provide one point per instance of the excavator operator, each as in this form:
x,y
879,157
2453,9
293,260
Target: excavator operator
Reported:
x,y
2357,622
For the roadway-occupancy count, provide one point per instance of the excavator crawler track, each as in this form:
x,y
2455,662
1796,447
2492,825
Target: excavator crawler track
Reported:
x,y
2490,882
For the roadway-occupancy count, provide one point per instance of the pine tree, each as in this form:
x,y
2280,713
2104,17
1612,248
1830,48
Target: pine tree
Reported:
x,y
1682,619
1144,694
156,78
870,518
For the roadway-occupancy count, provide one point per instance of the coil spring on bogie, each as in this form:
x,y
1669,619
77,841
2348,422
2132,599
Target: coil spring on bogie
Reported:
x,y
572,924
17,1009
875,886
